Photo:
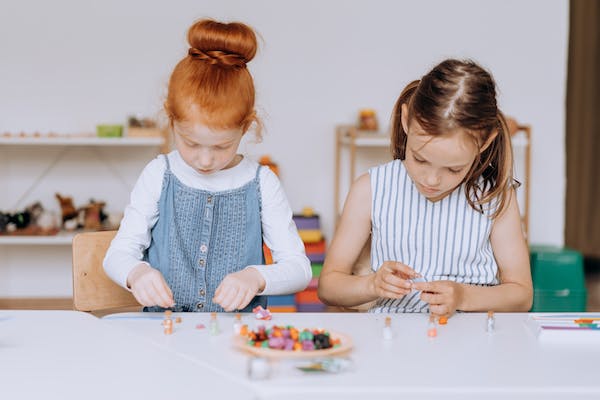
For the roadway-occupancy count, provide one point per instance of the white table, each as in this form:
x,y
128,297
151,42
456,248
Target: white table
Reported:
x,y
71,355
462,362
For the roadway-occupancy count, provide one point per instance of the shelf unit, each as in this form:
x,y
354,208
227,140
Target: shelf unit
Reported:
x,y
61,239
350,137
66,238
80,141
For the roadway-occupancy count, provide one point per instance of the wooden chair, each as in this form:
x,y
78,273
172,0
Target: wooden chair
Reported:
x,y
92,289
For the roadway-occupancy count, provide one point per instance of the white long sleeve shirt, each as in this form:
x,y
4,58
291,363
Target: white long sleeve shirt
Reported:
x,y
291,270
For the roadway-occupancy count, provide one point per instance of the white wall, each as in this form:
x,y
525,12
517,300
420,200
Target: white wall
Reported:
x,y
67,65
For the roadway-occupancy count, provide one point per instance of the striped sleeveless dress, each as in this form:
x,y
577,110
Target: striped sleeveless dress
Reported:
x,y
443,240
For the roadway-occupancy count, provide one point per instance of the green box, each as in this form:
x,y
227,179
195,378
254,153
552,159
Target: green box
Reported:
x,y
109,130
316,269
558,279
565,300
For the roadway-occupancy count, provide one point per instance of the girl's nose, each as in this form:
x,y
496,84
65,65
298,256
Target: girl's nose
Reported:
x,y
205,158
433,179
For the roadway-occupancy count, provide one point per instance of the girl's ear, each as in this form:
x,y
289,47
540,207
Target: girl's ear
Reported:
x,y
489,141
404,118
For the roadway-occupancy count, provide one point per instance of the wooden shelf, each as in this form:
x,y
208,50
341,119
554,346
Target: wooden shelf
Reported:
x,y
82,141
61,239
365,139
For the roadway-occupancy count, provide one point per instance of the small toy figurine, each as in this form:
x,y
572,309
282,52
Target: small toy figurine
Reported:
x,y
4,220
387,329
35,210
431,329
491,322
237,324
68,212
93,215
367,120
261,313
168,322
213,325
20,219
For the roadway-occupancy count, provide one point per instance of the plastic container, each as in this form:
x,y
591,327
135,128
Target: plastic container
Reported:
x,y
558,279
109,130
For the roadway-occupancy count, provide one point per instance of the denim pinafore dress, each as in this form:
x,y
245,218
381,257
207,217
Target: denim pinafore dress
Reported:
x,y
202,236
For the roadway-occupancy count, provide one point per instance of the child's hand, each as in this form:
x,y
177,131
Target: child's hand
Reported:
x,y
237,289
149,287
392,280
444,297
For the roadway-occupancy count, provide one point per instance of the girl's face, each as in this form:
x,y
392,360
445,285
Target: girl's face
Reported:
x,y
205,150
437,164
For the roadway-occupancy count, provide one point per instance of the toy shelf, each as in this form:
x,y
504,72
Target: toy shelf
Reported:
x,y
63,238
68,144
82,141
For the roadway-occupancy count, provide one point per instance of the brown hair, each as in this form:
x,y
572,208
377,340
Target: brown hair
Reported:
x,y
459,94
212,82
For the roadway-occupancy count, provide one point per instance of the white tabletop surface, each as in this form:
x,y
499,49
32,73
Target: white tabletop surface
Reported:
x,y
71,355
462,362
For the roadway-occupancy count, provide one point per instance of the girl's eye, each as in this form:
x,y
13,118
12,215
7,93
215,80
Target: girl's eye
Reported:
x,y
454,171
418,160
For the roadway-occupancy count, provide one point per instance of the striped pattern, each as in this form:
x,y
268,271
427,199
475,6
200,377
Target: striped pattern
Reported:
x,y
445,240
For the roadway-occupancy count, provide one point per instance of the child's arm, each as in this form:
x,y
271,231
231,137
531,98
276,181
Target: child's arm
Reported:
x,y
290,272
337,285
515,291
123,261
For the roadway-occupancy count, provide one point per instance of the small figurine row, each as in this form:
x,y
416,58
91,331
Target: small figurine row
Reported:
x,y
36,220
290,339
32,216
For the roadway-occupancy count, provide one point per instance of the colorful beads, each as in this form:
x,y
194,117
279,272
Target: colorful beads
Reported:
x,y
288,338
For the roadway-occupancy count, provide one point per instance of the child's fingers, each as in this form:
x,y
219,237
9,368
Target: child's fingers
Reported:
x,y
432,298
395,280
218,294
246,300
227,298
149,297
161,293
141,297
439,310
238,300
392,291
403,270
433,287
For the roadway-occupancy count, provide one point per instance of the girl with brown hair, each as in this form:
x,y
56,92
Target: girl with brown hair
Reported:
x,y
442,217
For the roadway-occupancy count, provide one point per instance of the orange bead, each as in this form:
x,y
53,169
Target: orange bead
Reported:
x,y
443,320
297,346
432,332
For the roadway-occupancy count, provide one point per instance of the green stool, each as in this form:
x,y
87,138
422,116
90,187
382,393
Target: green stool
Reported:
x,y
558,279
